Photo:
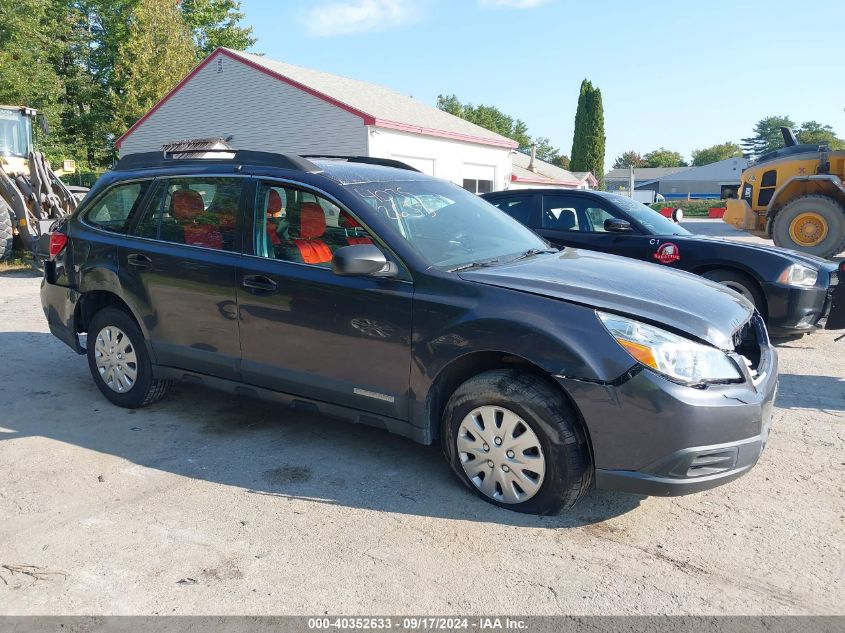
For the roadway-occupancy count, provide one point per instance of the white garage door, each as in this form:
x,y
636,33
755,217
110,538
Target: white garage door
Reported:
x,y
425,165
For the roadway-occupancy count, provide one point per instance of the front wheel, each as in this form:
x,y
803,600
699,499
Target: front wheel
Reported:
x,y
515,441
119,363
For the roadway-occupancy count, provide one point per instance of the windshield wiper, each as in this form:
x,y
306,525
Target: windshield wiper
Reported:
x,y
531,252
471,265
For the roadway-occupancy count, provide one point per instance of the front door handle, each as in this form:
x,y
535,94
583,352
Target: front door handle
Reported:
x,y
259,282
139,261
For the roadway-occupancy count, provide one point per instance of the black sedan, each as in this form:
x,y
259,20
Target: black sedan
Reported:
x,y
794,292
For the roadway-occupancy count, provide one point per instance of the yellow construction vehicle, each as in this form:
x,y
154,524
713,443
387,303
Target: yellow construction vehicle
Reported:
x,y
31,194
795,196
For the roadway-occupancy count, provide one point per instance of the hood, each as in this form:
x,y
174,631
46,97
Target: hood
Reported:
x,y
804,258
668,298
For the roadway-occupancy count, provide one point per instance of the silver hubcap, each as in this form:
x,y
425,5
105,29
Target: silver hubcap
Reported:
x,y
115,359
500,454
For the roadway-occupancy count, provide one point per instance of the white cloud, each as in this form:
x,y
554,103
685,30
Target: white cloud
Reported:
x,y
514,4
358,16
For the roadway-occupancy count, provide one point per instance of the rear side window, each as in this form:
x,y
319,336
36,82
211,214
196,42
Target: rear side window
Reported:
x,y
518,207
193,211
112,211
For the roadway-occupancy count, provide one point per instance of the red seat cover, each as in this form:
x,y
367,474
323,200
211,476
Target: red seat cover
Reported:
x,y
312,226
186,206
274,211
346,221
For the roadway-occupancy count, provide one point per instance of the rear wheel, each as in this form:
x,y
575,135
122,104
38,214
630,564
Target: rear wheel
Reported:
x,y
811,224
741,283
118,360
6,234
516,442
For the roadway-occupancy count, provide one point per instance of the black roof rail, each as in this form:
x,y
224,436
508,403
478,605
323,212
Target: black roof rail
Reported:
x,y
144,160
370,160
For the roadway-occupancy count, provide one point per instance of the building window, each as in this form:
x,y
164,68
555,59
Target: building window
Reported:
x,y
478,186
220,64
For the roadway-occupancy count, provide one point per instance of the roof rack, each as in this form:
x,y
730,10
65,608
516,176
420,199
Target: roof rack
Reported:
x,y
370,160
238,157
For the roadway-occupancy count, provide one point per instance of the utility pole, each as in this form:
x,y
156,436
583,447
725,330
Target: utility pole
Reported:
x,y
630,181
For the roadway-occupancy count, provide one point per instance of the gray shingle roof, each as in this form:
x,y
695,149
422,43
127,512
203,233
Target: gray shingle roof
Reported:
x,y
377,102
545,170
644,173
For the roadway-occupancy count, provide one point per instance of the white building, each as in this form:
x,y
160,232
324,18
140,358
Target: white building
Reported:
x,y
260,104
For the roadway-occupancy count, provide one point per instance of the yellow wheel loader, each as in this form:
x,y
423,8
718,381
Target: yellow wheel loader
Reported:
x,y
794,196
32,196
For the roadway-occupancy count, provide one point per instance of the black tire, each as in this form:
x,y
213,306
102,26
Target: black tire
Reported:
x,y
568,467
145,390
829,209
742,283
6,234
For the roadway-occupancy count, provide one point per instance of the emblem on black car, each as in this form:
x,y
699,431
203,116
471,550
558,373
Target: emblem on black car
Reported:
x,y
667,253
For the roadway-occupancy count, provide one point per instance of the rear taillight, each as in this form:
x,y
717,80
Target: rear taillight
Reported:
x,y
57,243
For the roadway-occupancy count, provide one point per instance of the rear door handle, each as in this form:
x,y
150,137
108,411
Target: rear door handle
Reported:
x,y
259,282
139,261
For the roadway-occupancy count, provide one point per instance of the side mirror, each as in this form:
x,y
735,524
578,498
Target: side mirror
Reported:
x,y
361,260
615,225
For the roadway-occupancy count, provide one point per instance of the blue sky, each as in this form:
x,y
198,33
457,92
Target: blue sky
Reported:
x,y
682,75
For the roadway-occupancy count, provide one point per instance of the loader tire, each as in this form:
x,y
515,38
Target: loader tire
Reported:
x,y
811,224
6,235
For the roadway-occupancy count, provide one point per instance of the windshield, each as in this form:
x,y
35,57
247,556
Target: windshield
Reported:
x,y
449,226
15,133
650,219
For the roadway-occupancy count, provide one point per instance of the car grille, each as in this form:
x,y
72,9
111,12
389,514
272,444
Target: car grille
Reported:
x,y
834,278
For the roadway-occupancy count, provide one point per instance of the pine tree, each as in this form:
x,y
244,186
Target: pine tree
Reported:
x,y
157,52
588,141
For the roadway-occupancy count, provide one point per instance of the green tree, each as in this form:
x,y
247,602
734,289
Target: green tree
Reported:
x,y
767,136
588,141
158,51
629,159
663,157
815,133
495,120
215,23
714,154
563,162
28,76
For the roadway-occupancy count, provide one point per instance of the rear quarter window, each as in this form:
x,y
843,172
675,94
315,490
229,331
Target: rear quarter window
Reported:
x,y
113,210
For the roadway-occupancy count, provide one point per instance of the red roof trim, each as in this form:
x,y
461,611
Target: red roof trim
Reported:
x,y
457,136
544,181
367,118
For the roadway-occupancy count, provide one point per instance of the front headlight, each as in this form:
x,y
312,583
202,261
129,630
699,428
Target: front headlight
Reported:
x,y
674,356
799,275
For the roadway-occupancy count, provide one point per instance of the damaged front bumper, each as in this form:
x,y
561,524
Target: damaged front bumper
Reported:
x,y
652,436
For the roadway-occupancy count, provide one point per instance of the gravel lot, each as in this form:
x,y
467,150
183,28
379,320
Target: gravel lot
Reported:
x,y
206,503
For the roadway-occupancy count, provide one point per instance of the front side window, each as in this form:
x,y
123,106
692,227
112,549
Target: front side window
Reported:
x,y
560,213
295,225
648,218
194,211
448,226
112,211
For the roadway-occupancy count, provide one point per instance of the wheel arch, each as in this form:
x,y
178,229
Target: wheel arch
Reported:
x,y
800,186
93,301
742,270
461,369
